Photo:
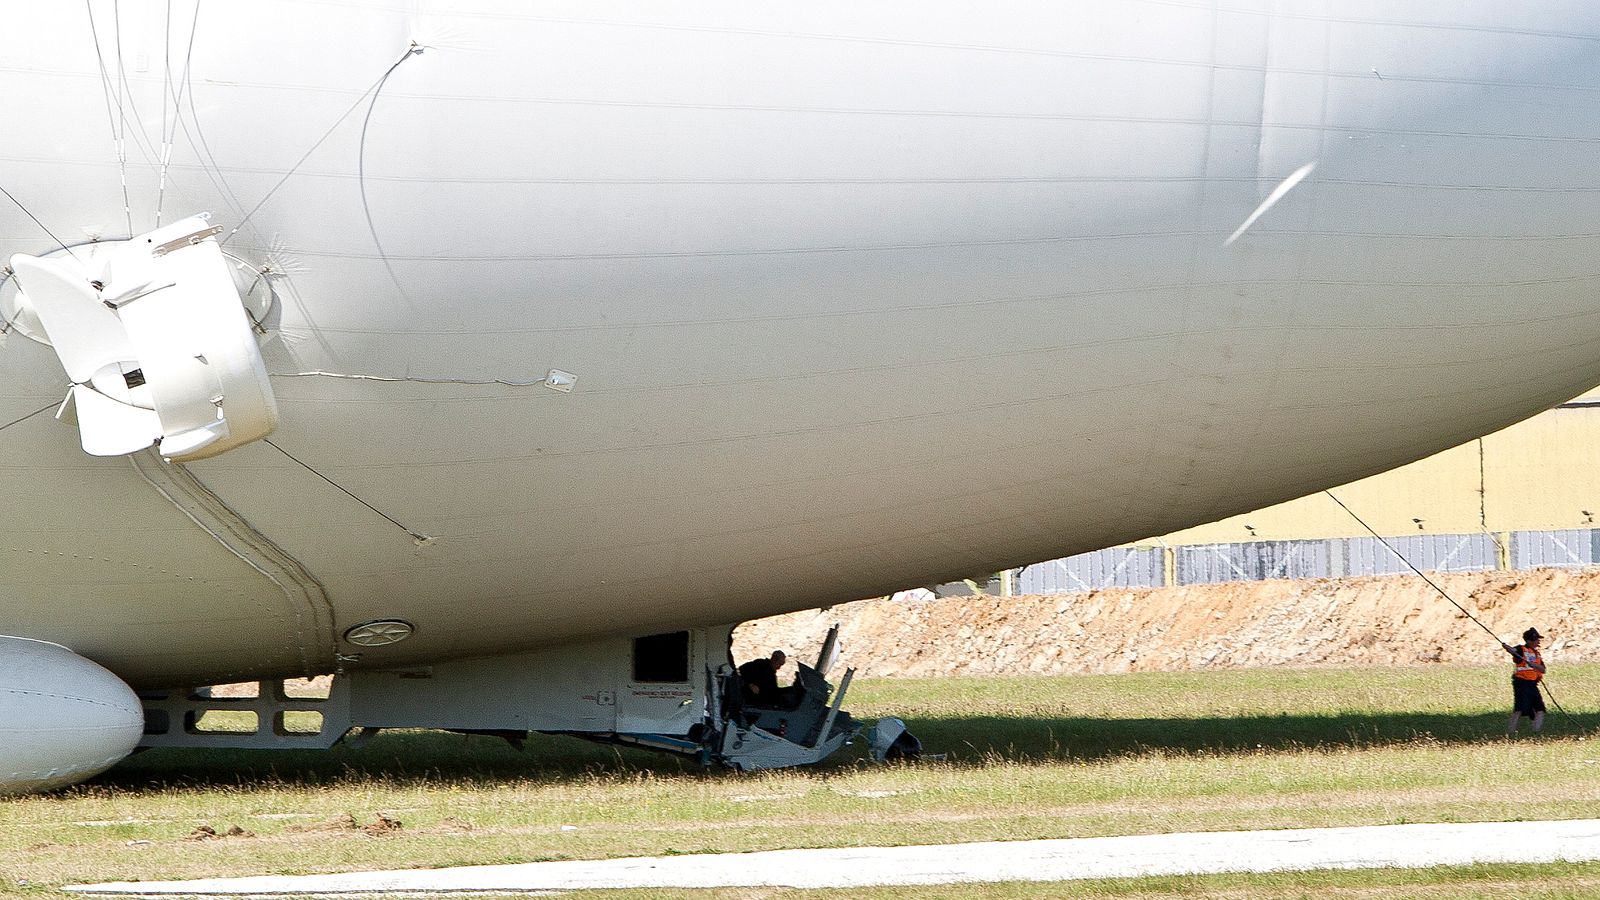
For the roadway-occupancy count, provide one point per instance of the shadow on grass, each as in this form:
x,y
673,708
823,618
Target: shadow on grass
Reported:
x,y
983,739
401,758
396,758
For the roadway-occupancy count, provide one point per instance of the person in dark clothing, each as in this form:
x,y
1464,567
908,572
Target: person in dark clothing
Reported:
x,y
759,678
1525,697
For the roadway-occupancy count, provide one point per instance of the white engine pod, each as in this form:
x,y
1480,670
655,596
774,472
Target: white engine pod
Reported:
x,y
62,717
154,337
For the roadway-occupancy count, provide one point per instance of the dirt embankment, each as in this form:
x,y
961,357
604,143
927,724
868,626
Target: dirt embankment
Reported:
x,y
1324,622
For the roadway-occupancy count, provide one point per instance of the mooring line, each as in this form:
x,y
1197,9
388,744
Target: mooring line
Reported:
x,y
1413,568
1436,587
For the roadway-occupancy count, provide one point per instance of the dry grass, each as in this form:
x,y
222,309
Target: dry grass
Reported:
x,y
1028,758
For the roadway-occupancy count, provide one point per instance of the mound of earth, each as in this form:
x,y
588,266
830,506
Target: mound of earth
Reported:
x,y
1381,621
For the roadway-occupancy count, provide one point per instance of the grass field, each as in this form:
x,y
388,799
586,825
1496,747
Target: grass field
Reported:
x,y
1025,758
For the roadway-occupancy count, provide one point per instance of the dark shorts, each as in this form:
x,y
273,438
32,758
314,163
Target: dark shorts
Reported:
x,y
1525,697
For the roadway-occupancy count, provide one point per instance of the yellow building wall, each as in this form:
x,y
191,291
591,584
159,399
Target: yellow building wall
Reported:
x,y
1540,475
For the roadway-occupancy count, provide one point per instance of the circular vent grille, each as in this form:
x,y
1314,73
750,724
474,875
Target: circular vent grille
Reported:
x,y
379,633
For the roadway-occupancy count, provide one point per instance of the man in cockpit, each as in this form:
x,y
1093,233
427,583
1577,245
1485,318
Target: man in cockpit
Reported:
x,y
759,680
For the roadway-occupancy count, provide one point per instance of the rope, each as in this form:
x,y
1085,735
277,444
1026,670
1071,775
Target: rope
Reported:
x,y
1436,587
1413,568
1551,694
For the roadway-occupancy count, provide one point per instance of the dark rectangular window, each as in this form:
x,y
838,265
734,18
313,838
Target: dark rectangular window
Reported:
x,y
661,657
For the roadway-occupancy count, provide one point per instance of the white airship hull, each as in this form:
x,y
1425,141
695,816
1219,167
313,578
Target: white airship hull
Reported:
x,y
854,297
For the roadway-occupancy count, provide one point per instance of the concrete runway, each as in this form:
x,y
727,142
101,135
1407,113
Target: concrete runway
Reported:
x,y
1403,846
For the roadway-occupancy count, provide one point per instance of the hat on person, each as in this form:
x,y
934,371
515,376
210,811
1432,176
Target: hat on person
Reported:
x,y
1532,634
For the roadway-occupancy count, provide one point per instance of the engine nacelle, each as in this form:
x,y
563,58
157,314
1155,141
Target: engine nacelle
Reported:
x,y
62,717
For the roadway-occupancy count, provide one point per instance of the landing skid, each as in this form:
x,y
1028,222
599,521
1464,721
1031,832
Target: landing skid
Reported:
x,y
617,692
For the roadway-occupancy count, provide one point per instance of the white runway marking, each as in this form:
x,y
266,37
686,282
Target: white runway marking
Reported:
x,y
1402,846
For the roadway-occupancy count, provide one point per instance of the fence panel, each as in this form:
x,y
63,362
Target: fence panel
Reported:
x,y
1253,561
1567,549
1262,560
1113,567
1428,552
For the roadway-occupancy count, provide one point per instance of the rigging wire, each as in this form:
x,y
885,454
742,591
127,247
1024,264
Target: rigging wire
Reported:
x,y
1434,585
121,107
415,536
410,51
361,166
36,221
51,405
166,67
409,378
166,88
105,77
112,93
197,138
122,113
202,150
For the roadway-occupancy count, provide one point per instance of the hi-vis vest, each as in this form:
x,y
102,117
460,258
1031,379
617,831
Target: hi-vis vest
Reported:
x,y
1529,658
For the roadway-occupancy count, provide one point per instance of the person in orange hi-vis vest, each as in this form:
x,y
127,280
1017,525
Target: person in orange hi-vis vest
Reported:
x,y
1525,678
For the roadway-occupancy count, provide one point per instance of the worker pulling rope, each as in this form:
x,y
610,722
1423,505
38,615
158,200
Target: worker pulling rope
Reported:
x,y
1516,652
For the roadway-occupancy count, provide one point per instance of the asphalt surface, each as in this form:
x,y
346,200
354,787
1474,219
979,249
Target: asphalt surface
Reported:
x,y
1383,846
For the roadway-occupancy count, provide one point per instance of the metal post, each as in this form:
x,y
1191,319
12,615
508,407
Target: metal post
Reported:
x,y
833,711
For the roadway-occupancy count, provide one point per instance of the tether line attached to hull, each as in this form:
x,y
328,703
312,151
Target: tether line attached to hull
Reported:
x,y
51,405
411,50
1420,573
1402,557
420,538
36,221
